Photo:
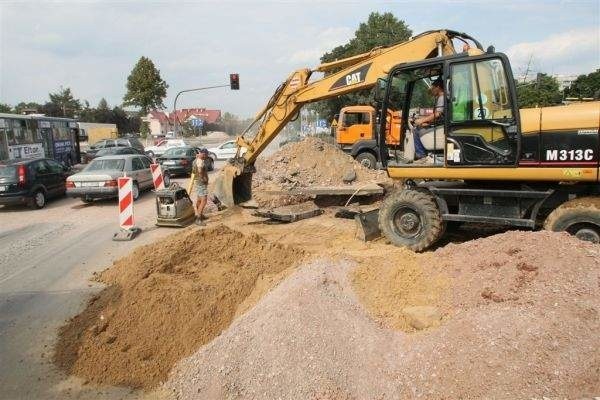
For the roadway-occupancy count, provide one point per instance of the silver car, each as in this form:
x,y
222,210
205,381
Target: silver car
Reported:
x,y
99,179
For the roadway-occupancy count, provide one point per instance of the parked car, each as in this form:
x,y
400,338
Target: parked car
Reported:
x,y
163,145
99,179
109,151
31,182
108,143
178,160
224,151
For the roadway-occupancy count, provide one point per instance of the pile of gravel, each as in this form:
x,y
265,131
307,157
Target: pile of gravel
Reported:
x,y
311,338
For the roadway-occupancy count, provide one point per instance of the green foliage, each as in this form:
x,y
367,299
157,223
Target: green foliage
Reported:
x,y
542,92
379,30
30,106
5,108
585,86
145,88
62,104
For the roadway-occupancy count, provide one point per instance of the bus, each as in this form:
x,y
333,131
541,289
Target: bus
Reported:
x,y
39,136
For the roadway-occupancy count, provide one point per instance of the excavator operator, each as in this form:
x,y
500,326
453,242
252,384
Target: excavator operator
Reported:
x,y
420,124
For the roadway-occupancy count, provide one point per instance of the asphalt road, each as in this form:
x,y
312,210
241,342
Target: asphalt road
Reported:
x,y
46,260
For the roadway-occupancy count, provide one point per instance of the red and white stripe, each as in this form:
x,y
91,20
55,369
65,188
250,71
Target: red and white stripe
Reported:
x,y
157,176
125,203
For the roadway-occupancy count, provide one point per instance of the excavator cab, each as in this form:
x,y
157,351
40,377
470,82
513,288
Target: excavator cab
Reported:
x,y
480,121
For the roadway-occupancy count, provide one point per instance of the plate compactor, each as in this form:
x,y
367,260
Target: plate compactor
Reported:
x,y
174,207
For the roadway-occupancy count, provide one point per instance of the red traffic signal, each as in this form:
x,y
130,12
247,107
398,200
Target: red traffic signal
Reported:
x,y
234,81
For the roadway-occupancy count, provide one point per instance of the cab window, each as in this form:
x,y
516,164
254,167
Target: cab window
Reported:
x,y
479,92
356,118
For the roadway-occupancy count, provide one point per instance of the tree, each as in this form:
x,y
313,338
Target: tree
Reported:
x,y
28,107
585,86
5,108
542,92
103,114
379,30
62,104
145,88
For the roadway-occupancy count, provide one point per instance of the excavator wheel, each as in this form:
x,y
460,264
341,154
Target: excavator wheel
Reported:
x,y
411,218
580,217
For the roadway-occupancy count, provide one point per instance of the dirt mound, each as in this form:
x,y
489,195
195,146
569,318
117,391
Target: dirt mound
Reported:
x,y
164,302
520,315
308,163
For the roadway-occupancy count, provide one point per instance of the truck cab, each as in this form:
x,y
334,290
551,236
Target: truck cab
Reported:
x,y
355,132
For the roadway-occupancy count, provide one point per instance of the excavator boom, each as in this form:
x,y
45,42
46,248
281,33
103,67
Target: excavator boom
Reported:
x,y
357,73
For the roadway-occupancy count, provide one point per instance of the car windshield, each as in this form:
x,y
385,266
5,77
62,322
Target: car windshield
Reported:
x,y
115,164
8,171
176,151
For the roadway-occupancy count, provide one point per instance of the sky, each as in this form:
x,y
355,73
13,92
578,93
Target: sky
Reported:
x,y
91,46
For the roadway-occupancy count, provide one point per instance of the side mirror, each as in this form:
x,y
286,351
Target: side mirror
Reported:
x,y
380,89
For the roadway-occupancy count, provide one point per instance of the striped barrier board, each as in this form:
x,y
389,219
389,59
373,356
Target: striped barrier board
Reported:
x,y
157,176
125,203
128,231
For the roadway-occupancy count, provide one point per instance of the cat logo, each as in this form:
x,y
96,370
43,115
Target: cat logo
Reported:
x,y
356,76
353,78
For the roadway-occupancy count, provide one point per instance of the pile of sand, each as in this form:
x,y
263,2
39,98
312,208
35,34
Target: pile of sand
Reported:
x,y
520,316
165,301
308,163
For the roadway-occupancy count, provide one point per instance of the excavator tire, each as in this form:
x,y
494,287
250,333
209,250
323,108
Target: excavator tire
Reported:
x,y
580,217
411,218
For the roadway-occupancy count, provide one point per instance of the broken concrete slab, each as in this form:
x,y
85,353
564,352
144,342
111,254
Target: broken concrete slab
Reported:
x,y
369,189
290,213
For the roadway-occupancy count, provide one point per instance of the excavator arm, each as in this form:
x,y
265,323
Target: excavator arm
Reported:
x,y
342,76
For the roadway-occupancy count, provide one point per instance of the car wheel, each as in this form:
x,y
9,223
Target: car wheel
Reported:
x,y
211,165
87,199
39,199
135,191
150,154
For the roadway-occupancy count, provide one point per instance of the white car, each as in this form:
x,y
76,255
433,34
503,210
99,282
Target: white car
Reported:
x,y
163,145
224,151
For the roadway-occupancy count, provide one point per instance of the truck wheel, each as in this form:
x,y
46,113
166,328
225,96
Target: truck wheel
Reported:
x,y
367,160
412,219
580,217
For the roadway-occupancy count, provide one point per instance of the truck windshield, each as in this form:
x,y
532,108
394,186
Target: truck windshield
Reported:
x,y
103,165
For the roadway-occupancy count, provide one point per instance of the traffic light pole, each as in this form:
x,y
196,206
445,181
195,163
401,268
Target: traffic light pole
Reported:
x,y
177,122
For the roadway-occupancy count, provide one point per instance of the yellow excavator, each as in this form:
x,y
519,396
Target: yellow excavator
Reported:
x,y
488,161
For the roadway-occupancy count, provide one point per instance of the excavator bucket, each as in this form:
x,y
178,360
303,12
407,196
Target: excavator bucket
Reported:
x,y
232,187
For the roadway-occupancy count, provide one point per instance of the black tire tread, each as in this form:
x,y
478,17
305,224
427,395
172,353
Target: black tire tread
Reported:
x,y
434,225
370,156
582,209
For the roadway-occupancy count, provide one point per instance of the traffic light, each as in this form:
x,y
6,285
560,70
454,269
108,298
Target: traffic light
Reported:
x,y
234,81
